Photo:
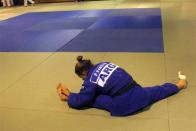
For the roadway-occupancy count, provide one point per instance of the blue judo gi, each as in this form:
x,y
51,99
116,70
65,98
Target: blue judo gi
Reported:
x,y
111,88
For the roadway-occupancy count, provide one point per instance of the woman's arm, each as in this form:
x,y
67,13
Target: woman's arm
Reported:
x,y
84,98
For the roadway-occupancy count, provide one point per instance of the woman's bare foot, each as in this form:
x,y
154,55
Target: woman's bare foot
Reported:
x,y
182,83
63,97
60,89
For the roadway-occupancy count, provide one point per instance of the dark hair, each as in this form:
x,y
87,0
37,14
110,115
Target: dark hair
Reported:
x,y
82,65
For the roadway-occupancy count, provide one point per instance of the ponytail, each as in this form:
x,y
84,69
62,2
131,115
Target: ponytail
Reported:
x,y
79,58
82,65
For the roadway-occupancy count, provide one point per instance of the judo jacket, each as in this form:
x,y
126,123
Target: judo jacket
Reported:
x,y
102,86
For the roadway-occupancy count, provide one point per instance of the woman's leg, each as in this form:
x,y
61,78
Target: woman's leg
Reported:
x,y
31,1
11,2
4,3
8,3
160,92
25,3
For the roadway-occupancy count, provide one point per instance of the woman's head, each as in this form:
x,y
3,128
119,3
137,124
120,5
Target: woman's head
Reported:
x,y
82,67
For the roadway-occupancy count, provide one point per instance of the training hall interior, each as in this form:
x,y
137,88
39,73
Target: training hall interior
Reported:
x,y
40,40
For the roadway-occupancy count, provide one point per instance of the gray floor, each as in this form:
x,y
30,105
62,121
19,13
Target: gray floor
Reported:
x,y
28,101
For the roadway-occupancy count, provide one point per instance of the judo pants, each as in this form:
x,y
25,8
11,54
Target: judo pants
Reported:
x,y
157,93
135,99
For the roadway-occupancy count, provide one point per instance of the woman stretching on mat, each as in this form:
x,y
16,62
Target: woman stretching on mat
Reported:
x,y
109,87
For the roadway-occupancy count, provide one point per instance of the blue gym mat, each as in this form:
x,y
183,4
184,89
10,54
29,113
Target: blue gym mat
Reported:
x,y
124,22
122,40
111,30
71,23
38,41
